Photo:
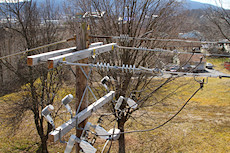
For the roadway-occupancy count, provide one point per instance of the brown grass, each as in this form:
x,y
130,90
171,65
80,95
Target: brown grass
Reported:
x,y
203,126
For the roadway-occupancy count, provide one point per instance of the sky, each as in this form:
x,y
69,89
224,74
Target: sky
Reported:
x,y
225,3
12,1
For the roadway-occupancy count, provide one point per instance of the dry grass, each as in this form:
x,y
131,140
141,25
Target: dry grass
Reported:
x,y
203,126
219,64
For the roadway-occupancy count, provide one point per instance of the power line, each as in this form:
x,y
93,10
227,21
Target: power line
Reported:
x,y
40,47
169,51
133,48
201,86
147,130
133,69
127,38
107,67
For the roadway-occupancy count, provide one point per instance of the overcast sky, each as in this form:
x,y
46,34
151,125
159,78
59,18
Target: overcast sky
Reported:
x,y
226,3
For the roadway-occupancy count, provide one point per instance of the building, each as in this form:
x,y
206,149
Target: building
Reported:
x,y
195,62
94,14
224,45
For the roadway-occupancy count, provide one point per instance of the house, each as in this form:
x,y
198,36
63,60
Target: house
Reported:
x,y
94,14
227,65
224,44
196,62
9,21
191,35
220,47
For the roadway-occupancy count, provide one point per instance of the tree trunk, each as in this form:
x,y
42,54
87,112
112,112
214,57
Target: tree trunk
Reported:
x,y
43,137
121,125
43,147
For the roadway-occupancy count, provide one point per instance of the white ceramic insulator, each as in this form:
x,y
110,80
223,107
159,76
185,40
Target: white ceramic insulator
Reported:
x,y
119,102
101,132
115,133
87,147
107,66
132,103
70,144
126,68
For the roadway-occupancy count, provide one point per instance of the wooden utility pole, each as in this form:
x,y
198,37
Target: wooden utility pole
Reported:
x,y
82,42
68,56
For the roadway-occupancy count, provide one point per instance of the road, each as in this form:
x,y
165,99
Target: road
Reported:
x,y
207,73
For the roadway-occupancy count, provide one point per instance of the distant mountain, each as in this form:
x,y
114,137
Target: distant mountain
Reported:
x,y
189,4
56,2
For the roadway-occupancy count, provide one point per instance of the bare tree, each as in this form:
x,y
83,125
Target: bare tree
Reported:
x,y
220,18
24,21
148,18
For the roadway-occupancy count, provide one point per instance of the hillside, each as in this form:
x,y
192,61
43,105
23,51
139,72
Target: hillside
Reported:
x,y
190,5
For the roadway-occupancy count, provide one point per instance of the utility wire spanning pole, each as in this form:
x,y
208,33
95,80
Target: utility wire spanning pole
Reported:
x,y
37,48
82,42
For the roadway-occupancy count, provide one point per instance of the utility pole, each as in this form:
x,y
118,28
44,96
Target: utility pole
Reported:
x,y
82,42
66,56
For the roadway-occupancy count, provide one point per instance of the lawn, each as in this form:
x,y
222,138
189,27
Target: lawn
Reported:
x,y
202,126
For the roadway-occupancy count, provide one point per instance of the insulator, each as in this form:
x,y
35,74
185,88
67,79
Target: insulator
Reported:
x,y
121,37
133,68
104,66
175,51
126,68
108,66
124,37
101,65
130,68
127,38
143,48
97,65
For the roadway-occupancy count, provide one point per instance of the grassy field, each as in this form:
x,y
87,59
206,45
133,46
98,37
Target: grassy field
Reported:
x,y
203,125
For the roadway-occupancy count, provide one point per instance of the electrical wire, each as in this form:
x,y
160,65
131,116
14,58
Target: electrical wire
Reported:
x,y
161,125
169,51
152,39
105,146
147,70
40,47
112,138
159,50
134,48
